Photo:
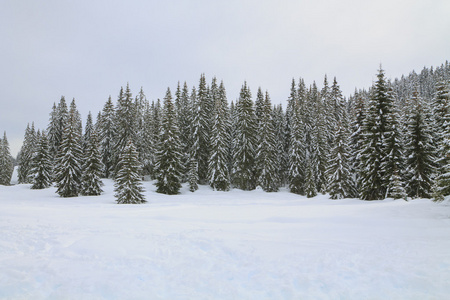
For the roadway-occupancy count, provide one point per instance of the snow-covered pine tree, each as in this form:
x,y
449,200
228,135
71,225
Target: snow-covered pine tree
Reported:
x,y
219,177
88,130
107,135
340,178
124,122
168,166
356,137
266,153
297,150
55,129
194,141
442,182
279,121
372,183
441,106
420,151
42,164
68,165
139,105
205,103
155,132
392,163
6,162
25,156
184,122
127,185
91,184
147,144
243,171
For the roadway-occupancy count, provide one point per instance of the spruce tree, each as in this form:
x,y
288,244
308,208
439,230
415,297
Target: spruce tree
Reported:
x,y
341,183
68,166
168,167
194,142
243,172
421,160
219,178
42,164
25,156
92,167
266,153
107,135
127,185
205,104
376,128
6,163
442,182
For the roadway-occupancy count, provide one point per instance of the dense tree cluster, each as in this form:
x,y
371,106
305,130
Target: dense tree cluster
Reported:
x,y
389,141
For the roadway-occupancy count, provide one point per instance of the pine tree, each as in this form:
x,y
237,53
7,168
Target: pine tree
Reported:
x,y
168,156
297,150
194,141
42,165
243,172
68,166
107,135
420,163
92,167
88,131
205,104
393,161
281,156
357,138
266,153
376,127
341,183
125,119
6,164
442,183
128,186
219,178
25,156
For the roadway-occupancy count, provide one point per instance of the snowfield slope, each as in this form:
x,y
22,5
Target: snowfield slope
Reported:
x,y
216,245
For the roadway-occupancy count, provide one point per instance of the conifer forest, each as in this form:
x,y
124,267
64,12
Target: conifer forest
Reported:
x,y
389,141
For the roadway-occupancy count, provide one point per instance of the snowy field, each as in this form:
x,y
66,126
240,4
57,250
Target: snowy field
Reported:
x,y
216,245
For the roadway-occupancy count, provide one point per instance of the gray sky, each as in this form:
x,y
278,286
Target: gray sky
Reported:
x,y
87,50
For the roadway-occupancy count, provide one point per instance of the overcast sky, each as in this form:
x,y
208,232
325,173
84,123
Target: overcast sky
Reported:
x,y
87,50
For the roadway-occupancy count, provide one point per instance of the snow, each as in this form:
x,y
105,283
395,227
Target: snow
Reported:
x,y
220,245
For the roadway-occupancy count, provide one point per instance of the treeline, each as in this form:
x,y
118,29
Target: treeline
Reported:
x,y
389,141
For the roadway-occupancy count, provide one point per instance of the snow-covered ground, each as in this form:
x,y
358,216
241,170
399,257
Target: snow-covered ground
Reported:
x,y
217,245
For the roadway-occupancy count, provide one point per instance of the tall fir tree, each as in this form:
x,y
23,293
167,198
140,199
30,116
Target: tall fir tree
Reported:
x,y
42,164
168,178
219,177
107,135
243,171
376,127
68,165
341,183
442,182
266,152
194,142
205,104
6,162
421,160
127,185
26,155
91,184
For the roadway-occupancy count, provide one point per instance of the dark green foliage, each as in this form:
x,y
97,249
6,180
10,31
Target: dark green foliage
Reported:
x,y
128,186
107,134
420,152
25,156
266,153
92,167
42,164
6,162
68,166
243,170
168,167
219,178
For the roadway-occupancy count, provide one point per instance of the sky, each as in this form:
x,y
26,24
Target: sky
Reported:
x,y
88,50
